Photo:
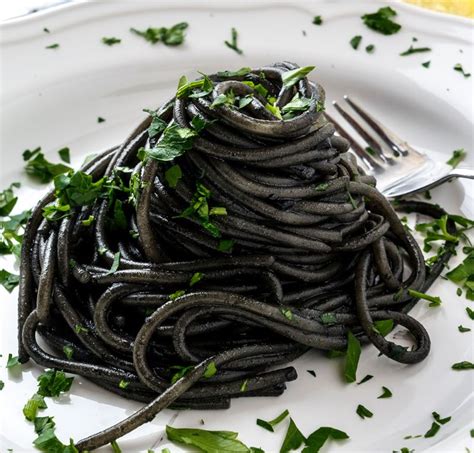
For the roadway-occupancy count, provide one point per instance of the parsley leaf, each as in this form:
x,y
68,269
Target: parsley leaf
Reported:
x,y
181,371
2,384
111,41
225,245
195,89
463,275
370,48
174,142
465,365
53,383
317,20
365,379
9,281
318,438
363,412
207,441
32,406
384,326
293,439
470,312
352,357
232,44
40,168
269,425
463,329
381,21
290,78
355,42
68,351
172,36
115,447
64,154
441,421
458,156
12,362
115,264
157,125
435,427
231,74
100,119
211,370
52,46
297,104
458,67
434,301
426,64
385,394
8,199
197,277
173,175
411,50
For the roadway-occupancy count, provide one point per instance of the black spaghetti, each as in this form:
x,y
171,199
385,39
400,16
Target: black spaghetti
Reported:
x,y
231,231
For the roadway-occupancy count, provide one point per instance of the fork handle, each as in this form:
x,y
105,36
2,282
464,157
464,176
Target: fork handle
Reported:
x,y
461,173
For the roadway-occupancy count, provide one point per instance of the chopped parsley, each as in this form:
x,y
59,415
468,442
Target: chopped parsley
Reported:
x,y
297,104
68,352
244,386
8,199
52,46
470,312
181,371
463,329
384,326
199,210
46,30
173,36
328,318
458,156
463,275
197,277
317,20
80,329
318,438
363,412
2,384
352,357
211,370
38,167
287,313
365,379
111,41
8,280
458,67
274,110
386,393
293,438
11,233
224,99
355,42
426,64
35,403
231,74
434,301
123,384
204,440
411,50
225,245
115,447
269,425
290,78
194,89
100,119
64,154
311,372
115,264
232,44
176,294
370,48
53,383
173,175
12,362
381,21
464,365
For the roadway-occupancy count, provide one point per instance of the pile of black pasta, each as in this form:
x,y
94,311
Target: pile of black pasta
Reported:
x,y
262,240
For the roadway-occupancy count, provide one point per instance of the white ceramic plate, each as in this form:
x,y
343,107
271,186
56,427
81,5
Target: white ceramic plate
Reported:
x,y
52,98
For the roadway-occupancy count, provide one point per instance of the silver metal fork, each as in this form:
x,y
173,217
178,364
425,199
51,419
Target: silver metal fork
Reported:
x,y
399,168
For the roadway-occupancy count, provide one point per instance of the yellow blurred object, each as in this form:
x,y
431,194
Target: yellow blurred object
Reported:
x,y
459,7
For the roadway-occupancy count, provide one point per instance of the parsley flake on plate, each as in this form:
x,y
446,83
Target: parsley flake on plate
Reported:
x,y
269,425
352,357
52,46
458,67
457,157
381,21
355,41
8,280
111,41
173,36
38,167
53,383
411,50
290,78
464,365
317,20
363,412
232,44
365,379
386,393
293,438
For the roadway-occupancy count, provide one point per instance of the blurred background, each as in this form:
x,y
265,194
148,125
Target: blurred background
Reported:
x,y
14,8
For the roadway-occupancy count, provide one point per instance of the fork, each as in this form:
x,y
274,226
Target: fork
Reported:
x,y
399,168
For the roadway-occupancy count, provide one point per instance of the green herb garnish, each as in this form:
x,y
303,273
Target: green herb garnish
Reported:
x,y
434,301
363,412
458,156
269,425
426,64
470,312
287,313
435,427
211,370
195,89
231,74
386,393
465,365
411,50
40,168
365,379
115,264
355,41
8,280
176,294
311,372
232,44
381,21
290,78
458,67
53,383
293,439
65,155
352,357
12,362
181,371
297,104
8,199
317,20
30,409
384,326
173,175
100,119
52,46
172,36
207,441
197,277
318,438
370,48
111,41
68,352
115,447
